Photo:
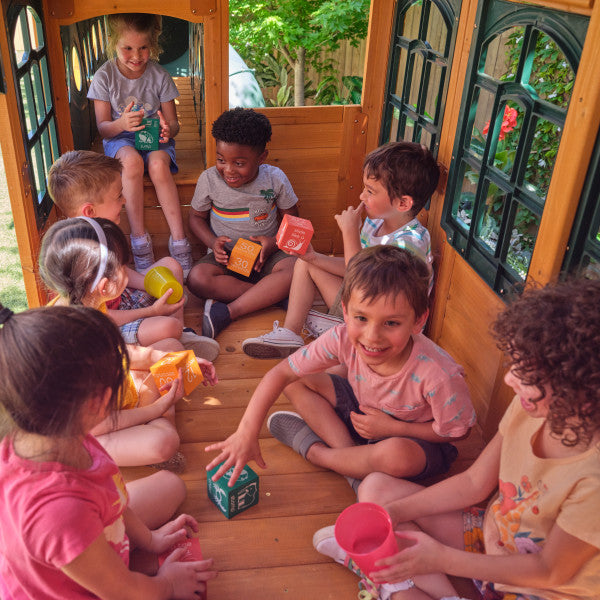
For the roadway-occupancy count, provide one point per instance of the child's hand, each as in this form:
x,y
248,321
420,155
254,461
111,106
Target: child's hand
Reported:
x,y
350,219
208,371
221,254
174,394
237,450
172,533
421,554
308,256
161,308
165,129
187,579
374,424
131,120
269,246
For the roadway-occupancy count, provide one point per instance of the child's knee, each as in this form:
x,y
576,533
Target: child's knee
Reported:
x,y
399,457
372,487
166,443
172,265
199,279
133,165
172,484
159,170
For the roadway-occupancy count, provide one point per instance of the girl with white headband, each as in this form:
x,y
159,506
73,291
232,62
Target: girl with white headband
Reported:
x,y
83,261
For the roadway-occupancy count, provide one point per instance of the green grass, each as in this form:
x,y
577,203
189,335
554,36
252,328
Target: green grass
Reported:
x,y
12,289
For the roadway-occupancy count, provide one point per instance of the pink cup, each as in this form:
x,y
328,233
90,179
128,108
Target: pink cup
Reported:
x,y
364,531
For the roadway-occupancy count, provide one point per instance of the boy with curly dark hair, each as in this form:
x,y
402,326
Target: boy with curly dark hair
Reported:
x,y
240,197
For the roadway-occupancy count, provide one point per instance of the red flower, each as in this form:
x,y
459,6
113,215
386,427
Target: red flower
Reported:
x,y
509,122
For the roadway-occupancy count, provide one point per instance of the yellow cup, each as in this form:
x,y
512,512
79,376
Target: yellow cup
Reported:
x,y
158,280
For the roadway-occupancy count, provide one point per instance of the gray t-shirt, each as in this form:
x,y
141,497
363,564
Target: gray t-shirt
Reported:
x,y
148,91
247,210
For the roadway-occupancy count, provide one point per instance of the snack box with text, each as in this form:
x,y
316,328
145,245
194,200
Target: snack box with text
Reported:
x,y
294,234
165,370
243,256
233,500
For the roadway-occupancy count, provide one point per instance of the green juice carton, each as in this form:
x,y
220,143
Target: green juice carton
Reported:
x,y
233,500
147,138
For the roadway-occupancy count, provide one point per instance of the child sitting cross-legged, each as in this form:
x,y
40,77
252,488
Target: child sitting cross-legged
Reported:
x,y
71,528
401,401
87,184
398,179
539,538
83,261
240,197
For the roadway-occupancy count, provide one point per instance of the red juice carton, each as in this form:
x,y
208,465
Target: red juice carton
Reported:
x,y
294,234
243,256
166,370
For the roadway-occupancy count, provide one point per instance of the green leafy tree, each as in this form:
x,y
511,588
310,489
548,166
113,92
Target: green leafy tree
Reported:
x,y
299,30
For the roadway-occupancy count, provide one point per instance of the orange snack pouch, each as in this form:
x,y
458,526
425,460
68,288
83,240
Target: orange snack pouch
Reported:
x,y
166,369
294,234
243,256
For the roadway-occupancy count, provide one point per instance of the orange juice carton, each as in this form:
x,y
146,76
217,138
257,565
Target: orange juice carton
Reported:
x,y
243,256
193,552
166,369
294,234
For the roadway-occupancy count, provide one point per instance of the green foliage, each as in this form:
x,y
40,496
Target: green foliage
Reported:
x,y
330,91
295,31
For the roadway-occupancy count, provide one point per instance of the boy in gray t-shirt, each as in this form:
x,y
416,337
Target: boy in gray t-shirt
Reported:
x,y
240,197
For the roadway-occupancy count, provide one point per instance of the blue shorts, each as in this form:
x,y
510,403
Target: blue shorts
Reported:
x,y
127,138
130,299
438,457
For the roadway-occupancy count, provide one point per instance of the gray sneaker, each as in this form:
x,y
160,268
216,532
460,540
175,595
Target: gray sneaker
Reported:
x,y
203,347
279,343
143,254
181,251
317,323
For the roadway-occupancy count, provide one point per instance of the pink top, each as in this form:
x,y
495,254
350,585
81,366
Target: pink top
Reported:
x,y
429,387
50,513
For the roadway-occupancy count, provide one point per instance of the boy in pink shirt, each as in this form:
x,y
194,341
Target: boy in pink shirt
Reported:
x,y
396,400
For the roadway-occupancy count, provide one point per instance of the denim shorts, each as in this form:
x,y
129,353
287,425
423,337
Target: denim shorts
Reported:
x,y
127,138
130,299
438,457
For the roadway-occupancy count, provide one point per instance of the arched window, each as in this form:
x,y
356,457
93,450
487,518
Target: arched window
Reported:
x,y
420,57
522,69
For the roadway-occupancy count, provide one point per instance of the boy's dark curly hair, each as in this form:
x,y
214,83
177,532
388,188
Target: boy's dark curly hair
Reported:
x,y
243,126
552,336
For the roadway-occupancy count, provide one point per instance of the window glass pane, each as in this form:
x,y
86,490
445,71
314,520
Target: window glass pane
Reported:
x,y
36,80
46,151
28,103
394,128
507,129
542,156
76,65
402,58
462,209
53,139
551,77
522,241
484,101
502,54
424,137
412,18
435,89
417,72
46,83
21,42
437,32
590,267
37,166
407,132
35,29
488,227
94,35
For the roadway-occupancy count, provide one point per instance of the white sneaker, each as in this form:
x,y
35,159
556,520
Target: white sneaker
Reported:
x,y
279,343
203,347
317,323
143,254
181,251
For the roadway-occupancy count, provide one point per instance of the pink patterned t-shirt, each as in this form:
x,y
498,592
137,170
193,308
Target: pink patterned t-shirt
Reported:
x,y
50,514
429,387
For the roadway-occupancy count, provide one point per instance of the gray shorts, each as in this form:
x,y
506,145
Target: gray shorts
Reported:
x,y
438,457
254,276
127,138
